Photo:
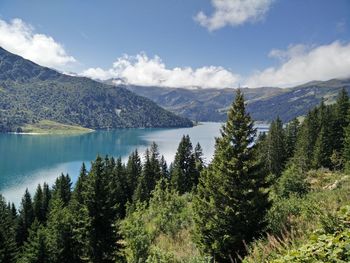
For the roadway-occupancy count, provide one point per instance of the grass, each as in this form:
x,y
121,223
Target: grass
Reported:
x,y
52,127
330,192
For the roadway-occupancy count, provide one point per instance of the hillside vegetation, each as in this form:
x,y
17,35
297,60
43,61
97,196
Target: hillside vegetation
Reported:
x,y
283,198
31,93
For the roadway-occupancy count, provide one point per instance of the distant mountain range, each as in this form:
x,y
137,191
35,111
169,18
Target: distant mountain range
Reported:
x,y
30,93
264,104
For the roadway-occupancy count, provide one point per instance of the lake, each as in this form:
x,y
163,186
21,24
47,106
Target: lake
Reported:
x,y
27,160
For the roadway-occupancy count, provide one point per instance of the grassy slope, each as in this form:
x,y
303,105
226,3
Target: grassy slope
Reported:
x,y
51,127
308,223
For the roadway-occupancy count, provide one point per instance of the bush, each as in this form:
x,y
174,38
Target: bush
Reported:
x,y
292,182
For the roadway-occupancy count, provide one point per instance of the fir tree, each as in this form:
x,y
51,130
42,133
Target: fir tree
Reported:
x,y
231,202
62,188
151,173
36,250
291,133
276,155
8,246
46,200
342,107
25,219
184,175
39,214
133,173
60,234
101,232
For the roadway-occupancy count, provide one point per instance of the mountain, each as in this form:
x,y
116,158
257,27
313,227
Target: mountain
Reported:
x,y
297,101
264,104
200,104
31,93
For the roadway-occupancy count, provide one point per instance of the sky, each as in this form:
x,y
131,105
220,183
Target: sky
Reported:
x,y
183,43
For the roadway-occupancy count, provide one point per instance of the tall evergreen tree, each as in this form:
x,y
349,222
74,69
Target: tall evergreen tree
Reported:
x,y
198,156
231,202
276,155
133,172
101,232
38,204
25,219
184,173
342,107
60,234
63,188
46,200
36,250
306,141
291,133
8,246
151,173
323,146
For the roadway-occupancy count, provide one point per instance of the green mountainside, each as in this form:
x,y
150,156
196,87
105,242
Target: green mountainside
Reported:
x,y
264,104
31,93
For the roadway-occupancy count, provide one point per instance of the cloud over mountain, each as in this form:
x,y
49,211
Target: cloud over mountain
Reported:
x,y
20,38
300,63
142,70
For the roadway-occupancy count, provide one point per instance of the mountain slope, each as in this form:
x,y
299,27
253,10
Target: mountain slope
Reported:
x,y
30,93
200,104
299,100
264,104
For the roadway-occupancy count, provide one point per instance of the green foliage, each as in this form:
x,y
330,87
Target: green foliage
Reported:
x,y
292,182
276,154
8,246
323,246
184,174
231,202
158,232
36,249
25,219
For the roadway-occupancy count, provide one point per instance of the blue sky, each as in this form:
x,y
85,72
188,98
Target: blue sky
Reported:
x,y
252,42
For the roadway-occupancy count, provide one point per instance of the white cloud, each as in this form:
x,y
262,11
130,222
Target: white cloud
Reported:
x,y
20,38
234,13
302,64
142,70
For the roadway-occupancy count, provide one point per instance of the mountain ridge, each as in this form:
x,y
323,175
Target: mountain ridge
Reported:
x,y
264,104
30,93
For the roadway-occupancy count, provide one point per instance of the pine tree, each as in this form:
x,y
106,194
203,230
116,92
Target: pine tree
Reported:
x,y
291,133
8,246
231,202
101,232
80,185
342,107
60,234
39,214
184,175
62,188
36,250
118,189
323,146
133,173
46,201
198,156
276,155
306,141
151,173
164,169
25,219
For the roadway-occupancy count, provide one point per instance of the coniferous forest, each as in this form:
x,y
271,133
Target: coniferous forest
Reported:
x,y
282,197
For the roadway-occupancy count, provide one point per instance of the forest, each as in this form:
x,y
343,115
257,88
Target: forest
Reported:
x,y
276,197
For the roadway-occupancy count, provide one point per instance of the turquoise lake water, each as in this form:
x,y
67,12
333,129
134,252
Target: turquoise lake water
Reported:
x,y
27,160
